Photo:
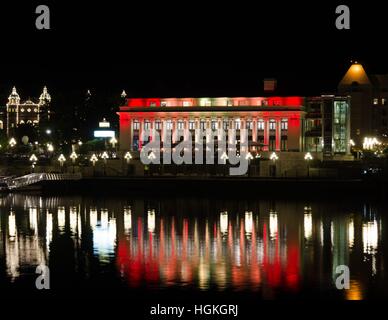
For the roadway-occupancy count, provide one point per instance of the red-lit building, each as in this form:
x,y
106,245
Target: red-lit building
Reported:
x,y
273,123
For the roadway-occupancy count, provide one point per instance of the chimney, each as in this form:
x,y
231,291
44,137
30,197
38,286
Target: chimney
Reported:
x,y
270,85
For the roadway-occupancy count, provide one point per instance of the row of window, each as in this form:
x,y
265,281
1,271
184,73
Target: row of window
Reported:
x,y
214,124
22,110
229,103
383,101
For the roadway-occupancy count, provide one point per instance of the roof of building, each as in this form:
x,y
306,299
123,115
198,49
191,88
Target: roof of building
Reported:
x,y
355,74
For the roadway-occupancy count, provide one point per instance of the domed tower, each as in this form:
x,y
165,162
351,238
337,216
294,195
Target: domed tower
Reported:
x,y
44,109
45,97
14,98
12,111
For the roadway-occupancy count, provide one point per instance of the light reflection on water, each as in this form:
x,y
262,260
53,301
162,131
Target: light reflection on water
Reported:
x,y
260,246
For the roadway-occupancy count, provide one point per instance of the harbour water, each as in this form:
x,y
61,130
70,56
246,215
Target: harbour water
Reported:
x,y
259,248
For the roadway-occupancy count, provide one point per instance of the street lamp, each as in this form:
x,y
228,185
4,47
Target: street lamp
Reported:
x,y
113,142
224,157
94,159
12,142
152,156
33,160
73,157
248,156
308,157
105,157
274,157
128,158
61,160
50,148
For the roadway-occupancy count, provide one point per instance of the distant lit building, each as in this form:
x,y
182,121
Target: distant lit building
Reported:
x,y
281,124
327,125
18,112
369,97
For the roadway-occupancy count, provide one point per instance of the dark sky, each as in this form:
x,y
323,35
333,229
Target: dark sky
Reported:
x,y
189,48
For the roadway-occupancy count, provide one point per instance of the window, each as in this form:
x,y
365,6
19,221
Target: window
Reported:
x,y
158,125
186,103
229,103
260,125
384,102
163,104
169,124
225,124
375,101
208,103
153,104
272,125
214,125
191,125
284,124
147,124
249,125
136,125
202,124
181,125
237,124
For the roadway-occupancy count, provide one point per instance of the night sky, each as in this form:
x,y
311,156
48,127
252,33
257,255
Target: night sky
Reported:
x,y
191,49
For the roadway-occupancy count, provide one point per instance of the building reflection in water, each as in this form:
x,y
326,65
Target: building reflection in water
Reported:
x,y
265,247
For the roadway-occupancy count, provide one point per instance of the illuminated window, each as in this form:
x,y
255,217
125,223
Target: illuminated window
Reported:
x,y
214,125
191,125
284,124
158,125
153,104
260,125
375,101
272,125
384,102
181,125
163,104
147,124
169,124
202,124
237,124
136,125
186,103
225,124
229,103
249,125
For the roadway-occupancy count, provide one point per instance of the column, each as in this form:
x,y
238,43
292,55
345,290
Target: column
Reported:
x,y
254,130
266,134
174,130
278,134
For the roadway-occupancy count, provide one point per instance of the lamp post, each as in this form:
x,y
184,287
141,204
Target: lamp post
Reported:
x,y
274,157
113,142
105,157
128,158
73,157
50,148
308,157
12,142
61,160
94,159
33,160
